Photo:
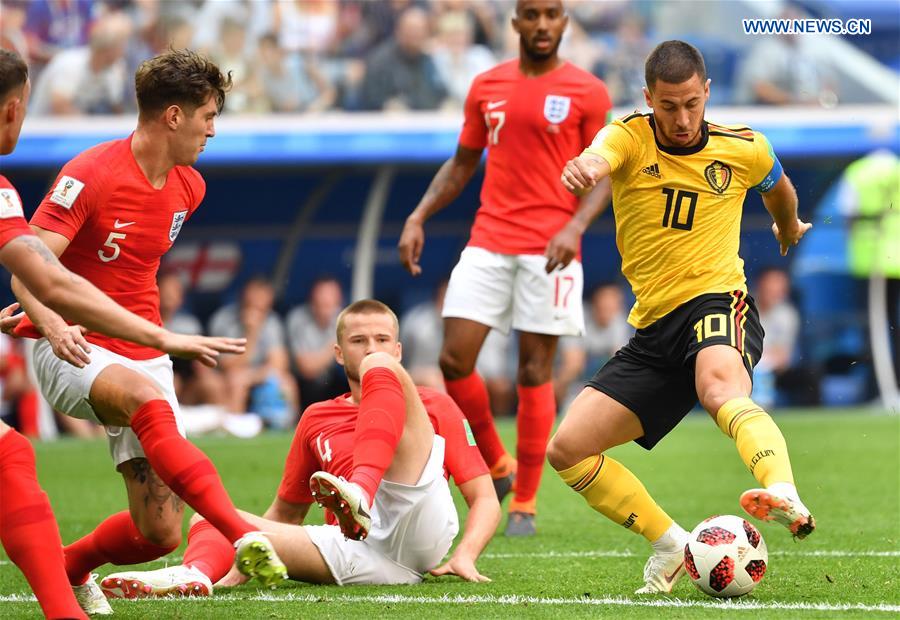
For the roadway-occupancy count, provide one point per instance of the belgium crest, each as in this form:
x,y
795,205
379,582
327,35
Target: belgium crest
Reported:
x,y
718,175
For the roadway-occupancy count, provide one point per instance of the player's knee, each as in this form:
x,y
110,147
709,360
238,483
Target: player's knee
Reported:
x,y
560,455
454,366
161,532
195,519
141,394
714,391
534,372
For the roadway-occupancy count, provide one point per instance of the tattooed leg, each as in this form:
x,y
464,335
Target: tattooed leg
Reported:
x,y
155,509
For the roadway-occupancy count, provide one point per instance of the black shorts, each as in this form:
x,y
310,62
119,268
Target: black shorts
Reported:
x,y
653,375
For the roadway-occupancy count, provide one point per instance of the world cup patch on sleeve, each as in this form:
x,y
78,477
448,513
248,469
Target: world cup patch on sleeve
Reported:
x,y
10,205
66,191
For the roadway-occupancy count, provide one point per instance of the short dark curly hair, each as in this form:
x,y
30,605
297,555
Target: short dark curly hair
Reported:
x,y
13,72
179,77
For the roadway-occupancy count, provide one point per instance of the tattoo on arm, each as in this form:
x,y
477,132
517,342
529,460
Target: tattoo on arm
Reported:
x,y
40,248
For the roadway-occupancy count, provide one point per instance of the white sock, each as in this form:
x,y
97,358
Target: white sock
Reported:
x,y
673,539
784,489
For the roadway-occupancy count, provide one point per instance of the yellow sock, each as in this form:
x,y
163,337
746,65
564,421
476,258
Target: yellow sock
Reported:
x,y
616,493
759,442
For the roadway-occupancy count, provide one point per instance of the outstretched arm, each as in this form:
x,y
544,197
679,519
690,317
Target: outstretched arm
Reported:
x,y
781,203
446,185
40,277
481,523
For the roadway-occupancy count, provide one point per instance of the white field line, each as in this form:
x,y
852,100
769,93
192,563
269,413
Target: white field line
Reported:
x,y
824,553
631,554
510,600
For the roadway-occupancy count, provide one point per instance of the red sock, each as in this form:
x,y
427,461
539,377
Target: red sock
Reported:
x,y
28,530
208,551
379,426
472,397
117,540
185,469
534,421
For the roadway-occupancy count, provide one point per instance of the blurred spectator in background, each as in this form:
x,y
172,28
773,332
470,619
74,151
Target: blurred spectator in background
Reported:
x,y
87,80
201,391
869,197
421,332
256,16
289,82
622,67
779,70
12,27
311,335
457,59
606,330
487,23
400,74
55,25
230,53
778,371
261,376
308,26
157,31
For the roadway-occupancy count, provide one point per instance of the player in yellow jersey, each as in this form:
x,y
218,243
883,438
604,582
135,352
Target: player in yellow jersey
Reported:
x,y
679,183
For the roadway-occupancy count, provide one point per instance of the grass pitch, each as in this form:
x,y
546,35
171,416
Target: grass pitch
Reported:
x,y
847,465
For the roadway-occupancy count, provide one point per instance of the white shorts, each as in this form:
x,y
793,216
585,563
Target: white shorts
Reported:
x,y
412,529
67,389
514,290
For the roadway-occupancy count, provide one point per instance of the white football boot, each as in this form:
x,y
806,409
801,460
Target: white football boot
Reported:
x,y
90,597
666,566
346,500
173,581
780,503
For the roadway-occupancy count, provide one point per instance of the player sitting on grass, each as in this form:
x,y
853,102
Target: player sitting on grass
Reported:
x,y
678,189
377,458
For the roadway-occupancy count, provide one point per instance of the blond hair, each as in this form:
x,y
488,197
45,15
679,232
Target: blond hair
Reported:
x,y
365,306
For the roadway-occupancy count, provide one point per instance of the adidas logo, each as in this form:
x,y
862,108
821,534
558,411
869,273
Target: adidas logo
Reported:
x,y
653,171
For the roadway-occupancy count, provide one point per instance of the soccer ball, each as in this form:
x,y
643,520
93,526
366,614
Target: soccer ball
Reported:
x,y
726,556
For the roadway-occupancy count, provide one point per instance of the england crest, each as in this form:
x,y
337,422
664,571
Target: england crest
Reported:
x,y
556,108
177,222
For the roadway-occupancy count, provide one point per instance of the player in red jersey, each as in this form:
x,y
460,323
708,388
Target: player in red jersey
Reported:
x,y
27,527
112,213
354,441
521,267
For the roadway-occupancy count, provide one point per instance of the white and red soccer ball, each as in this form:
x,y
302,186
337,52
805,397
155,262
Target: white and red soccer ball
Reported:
x,y
726,556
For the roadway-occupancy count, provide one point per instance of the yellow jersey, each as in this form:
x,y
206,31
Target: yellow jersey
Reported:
x,y
678,209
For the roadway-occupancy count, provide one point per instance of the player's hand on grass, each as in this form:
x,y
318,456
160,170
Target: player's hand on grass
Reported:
x,y
412,240
205,349
233,578
68,343
562,248
792,236
579,176
8,320
461,566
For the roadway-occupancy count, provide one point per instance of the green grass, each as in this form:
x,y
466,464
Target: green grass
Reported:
x,y
847,465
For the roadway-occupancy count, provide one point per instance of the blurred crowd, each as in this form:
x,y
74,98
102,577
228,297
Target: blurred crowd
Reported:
x,y
305,56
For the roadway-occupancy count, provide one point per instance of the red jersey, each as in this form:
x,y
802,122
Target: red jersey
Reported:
x,y
12,218
324,442
531,126
119,226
